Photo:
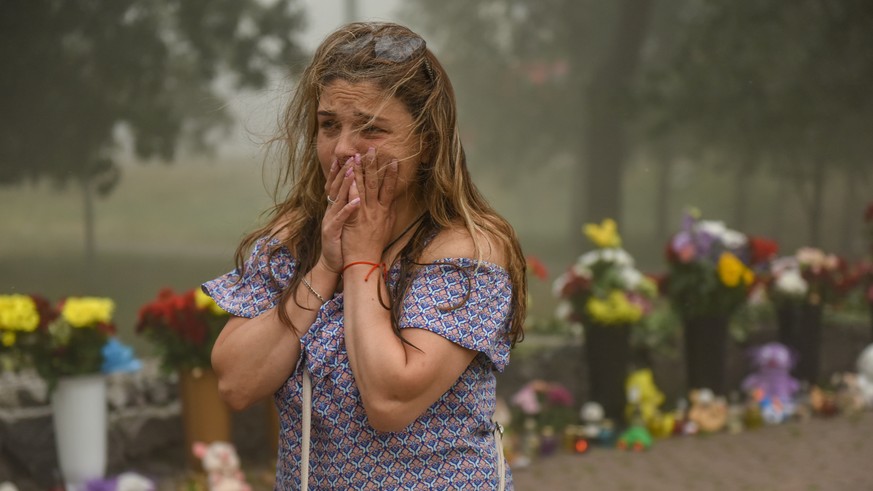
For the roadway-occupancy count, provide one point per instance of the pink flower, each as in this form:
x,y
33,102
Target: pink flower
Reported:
x,y
526,399
559,395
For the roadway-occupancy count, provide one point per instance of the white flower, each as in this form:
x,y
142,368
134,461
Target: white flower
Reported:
x,y
630,278
779,266
559,284
582,270
589,258
622,258
712,227
564,310
791,282
733,239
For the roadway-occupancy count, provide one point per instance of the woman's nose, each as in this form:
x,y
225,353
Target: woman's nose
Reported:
x,y
346,145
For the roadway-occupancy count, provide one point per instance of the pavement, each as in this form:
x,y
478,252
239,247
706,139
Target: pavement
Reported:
x,y
833,454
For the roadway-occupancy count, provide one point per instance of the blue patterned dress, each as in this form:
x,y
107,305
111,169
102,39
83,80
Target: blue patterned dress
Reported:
x,y
451,445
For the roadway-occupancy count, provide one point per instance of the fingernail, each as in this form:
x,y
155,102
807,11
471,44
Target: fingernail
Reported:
x,y
355,201
349,171
357,158
350,160
334,164
371,151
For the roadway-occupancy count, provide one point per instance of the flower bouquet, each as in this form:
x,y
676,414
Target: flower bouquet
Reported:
x,y
72,354
546,409
80,340
800,287
711,272
182,327
606,294
21,319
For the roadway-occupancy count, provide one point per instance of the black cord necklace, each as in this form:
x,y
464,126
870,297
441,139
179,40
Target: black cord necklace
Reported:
x,y
404,232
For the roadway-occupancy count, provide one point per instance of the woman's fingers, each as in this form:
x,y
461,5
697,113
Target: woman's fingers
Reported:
x,y
372,180
338,178
389,184
348,178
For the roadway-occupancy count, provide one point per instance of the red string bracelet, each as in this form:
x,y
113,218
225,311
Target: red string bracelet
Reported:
x,y
374,267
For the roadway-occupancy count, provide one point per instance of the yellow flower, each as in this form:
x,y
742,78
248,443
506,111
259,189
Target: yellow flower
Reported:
x,y
205,302
87,311
7,339
18,313
603,235
732,272
614,309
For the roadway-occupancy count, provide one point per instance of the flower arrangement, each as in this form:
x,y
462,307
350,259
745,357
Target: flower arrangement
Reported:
x,y
183,328
712,268
549,403
21,316
810,276
603,286
80,341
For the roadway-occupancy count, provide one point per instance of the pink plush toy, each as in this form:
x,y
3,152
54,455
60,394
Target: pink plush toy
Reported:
x,y
773,362
221,463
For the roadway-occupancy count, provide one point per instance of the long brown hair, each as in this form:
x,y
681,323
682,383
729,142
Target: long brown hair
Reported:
x,y
397,61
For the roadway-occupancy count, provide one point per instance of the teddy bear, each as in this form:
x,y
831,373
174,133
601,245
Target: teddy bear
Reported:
x,y
222,466
865,375
772,384
707,412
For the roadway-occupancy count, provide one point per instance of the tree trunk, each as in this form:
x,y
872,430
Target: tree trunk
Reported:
x,y
741,196
851,216
87,185
605,135
815,211
662,200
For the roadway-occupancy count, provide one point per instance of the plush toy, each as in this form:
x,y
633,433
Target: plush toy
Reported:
x,y
221,463
596,428
773,363
707,412
643,392
865,375
128,481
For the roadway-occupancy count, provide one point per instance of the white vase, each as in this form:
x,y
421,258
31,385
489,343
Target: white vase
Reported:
x,y
79,407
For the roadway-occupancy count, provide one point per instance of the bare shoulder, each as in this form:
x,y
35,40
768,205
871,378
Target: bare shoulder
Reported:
x,y
457,242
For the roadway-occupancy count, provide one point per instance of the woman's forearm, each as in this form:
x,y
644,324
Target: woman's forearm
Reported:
x,y
254,357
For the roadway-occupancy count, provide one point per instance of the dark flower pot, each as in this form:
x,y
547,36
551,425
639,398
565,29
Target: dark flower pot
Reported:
x,y
800,327
706,352
608,351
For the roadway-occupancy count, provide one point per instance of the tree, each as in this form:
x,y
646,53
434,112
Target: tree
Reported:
x,y
771,84
76,72
545,79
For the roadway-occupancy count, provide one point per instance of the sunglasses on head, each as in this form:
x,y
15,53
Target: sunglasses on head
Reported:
x,y
387,46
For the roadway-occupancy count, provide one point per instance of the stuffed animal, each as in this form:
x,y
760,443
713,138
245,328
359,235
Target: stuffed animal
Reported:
x,y
865,375
773,363
221,463
707,412
595,427
128,481
642,392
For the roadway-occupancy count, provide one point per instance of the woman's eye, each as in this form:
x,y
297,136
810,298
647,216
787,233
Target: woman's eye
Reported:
x,y
372,130
328,124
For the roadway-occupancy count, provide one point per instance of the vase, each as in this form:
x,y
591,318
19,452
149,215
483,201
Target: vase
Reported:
x,y
706,352
79,417
205,416
800,330
608,353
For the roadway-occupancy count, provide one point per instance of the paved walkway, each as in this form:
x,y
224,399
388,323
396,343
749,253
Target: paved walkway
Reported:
x,y
818,455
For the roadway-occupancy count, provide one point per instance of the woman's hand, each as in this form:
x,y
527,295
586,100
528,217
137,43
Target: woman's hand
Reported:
x,y
339,209
369,230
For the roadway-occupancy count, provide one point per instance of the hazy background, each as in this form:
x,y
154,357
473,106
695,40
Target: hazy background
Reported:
x,y
758,115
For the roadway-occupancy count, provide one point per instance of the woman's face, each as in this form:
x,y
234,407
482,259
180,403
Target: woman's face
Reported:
x,y
353,117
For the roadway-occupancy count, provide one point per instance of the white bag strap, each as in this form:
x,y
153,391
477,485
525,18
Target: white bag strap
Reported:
x,y
307,426
501,462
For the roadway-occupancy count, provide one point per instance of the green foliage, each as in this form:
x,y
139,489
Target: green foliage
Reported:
x,y
77,72
695,290
63,350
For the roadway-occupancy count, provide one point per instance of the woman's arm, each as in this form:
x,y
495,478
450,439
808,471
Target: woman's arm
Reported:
x,y
397,382
254,357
